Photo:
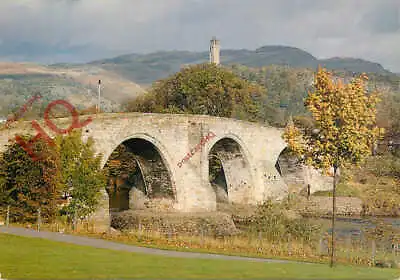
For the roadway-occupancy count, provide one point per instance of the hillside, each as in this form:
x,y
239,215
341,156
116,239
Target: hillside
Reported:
x,y
287,87
77,84
353,65
144,69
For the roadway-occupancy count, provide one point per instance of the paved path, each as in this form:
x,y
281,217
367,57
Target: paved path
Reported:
x,y
104,244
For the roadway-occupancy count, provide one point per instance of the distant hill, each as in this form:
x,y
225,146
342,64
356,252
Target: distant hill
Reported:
x,y
77,84
353,65
272,55
144,69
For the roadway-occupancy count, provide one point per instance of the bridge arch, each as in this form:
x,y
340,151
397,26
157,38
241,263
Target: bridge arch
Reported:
x,y
230,170
300,178
151,184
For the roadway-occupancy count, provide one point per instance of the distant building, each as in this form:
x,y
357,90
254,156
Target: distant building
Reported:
x,y
215,51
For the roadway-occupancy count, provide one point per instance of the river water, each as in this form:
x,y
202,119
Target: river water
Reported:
x,y
354,225
356,228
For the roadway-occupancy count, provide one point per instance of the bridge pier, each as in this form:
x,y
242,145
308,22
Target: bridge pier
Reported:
x,y
101,217
239,183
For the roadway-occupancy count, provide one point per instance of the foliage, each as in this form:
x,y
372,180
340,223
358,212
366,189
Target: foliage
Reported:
x,y
82,176
202,89
304,122
269,219
69,167
215,168
122,164
389,115
294,139
377,182
342,189
345,120
345,117
286,87
27,185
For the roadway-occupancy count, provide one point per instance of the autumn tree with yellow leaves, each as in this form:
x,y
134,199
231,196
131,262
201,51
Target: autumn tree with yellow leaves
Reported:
x,y
345,132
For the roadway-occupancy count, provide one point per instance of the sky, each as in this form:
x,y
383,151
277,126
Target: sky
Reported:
x,y
50,31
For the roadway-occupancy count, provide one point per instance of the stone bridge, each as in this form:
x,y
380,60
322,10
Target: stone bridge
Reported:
x,y
174,153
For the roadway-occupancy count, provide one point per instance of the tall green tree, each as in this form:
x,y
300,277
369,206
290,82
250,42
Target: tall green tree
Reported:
x,y
71,166
27,185
82,176
203,89
345,121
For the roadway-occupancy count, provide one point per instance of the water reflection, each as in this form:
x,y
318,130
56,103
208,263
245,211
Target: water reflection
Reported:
x,y
361,228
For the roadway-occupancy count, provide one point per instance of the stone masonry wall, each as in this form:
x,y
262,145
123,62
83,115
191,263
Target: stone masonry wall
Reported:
x,y
298,176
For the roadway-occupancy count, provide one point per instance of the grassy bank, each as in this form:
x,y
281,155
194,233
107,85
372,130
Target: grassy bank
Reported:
x,y
251,245
36,258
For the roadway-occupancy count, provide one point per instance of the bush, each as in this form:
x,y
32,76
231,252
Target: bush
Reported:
x,y
377,183
270,218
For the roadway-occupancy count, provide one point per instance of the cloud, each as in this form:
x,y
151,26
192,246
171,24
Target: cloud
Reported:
x,y
385,18
367,29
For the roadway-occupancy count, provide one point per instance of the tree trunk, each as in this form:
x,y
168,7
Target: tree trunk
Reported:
x,y
333,215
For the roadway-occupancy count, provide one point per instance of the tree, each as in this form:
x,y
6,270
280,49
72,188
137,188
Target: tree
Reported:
x,y
70,167
27,185
202,89
345,120
389,118
82,176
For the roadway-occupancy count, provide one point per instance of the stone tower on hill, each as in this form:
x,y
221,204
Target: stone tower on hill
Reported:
x,y
214,51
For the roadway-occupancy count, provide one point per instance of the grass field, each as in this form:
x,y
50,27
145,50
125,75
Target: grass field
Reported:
x,y
22,257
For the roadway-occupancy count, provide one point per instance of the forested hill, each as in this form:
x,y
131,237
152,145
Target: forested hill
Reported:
x,y
144,69
287,87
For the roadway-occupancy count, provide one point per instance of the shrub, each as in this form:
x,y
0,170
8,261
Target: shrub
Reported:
x,y
271,219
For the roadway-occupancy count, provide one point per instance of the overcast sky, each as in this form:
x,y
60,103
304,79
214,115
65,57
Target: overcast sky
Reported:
x,y
78,30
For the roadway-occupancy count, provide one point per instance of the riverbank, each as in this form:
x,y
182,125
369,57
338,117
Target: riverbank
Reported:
x,y
320,206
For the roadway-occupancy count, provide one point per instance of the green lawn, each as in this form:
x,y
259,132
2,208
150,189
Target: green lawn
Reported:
x,y
22,257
